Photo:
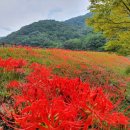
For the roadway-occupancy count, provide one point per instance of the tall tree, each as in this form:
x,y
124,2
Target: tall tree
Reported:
x,y
112,17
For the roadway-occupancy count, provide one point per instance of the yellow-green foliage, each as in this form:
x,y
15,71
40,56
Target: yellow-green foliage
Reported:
x,y
112,18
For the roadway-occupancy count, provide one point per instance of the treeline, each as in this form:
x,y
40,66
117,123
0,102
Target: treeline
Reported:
x,y
92,41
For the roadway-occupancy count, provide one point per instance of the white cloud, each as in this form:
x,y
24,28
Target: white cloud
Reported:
x,y
17,13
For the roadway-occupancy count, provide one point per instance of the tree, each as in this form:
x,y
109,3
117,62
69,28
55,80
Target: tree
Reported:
x,y
73,44
93,42
112,17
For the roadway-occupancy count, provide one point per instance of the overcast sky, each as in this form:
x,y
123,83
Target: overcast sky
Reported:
x,y
17,13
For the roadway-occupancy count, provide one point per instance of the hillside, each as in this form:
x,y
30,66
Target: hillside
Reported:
x,y
51,33
79,21
36,84
44,32
94,66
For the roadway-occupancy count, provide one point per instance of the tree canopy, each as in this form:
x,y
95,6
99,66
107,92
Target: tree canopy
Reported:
x,y
93,41
112,17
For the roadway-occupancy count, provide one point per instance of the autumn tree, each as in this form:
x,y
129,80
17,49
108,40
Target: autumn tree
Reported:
x,y
112,17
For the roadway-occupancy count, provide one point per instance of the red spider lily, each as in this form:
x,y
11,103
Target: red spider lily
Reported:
x,y
51,102
13,84
12,64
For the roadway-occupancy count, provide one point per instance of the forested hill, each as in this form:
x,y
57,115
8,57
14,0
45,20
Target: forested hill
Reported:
x,y
79,21
68,34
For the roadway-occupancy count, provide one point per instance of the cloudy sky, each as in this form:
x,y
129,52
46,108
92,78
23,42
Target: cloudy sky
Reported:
x,y
16,13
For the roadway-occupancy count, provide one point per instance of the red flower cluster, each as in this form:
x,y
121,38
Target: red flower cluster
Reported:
x,y
13,84
12,64
51,102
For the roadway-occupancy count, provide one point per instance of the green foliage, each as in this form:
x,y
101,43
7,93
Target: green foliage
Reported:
x,y
112,18
128,70
73,44
94,42
90,42
49,33
80,21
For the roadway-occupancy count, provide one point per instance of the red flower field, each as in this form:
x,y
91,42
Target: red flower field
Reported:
x,y
63,90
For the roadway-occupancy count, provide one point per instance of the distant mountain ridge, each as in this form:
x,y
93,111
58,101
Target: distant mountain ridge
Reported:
x,y
50,33
79,21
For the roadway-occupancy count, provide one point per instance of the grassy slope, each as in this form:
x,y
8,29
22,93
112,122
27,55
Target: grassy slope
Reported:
x,y
74,59
71,64
74,63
